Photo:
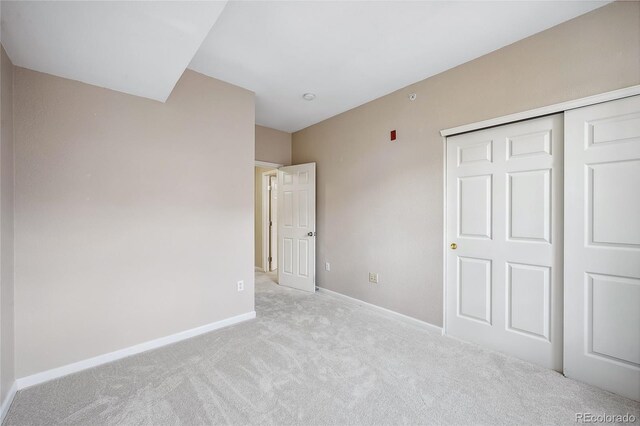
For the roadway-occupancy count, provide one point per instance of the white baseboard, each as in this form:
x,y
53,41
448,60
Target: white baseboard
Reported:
x,y
4,409
394,314
54,373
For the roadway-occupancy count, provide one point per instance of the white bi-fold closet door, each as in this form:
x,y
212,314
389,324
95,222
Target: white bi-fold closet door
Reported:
x,y
504,231
602,246
510,283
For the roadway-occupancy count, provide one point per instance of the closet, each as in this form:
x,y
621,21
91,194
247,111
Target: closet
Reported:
x,y
543,241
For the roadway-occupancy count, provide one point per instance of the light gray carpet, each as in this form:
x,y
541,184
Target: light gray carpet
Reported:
x,y
314,360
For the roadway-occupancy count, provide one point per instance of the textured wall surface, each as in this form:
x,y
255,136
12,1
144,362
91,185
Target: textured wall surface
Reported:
x,y
380,204
273,146
6,229
134,218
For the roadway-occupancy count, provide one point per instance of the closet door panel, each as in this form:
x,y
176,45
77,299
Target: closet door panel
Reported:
x,y
504,214
602,246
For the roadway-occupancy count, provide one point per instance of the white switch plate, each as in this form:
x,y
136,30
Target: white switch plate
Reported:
x,y
373,278
327,266
240,285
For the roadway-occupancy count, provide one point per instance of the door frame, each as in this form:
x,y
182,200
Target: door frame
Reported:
x,y
264,208
507,119
266,199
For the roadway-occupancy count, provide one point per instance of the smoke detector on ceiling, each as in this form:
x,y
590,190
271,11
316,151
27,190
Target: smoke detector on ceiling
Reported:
x,y
309,96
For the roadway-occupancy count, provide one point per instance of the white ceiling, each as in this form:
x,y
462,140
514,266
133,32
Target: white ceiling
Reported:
x,y
348,53
136,47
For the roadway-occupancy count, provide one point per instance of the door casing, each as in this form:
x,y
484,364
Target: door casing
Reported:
x,y
265,217
272,223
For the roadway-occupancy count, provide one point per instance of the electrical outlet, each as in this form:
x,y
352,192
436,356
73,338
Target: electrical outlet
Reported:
x,y
327,266
240,285
373,278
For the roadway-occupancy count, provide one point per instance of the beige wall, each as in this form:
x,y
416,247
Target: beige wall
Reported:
x,y
134,218
379,204
7,376
258,216
273,146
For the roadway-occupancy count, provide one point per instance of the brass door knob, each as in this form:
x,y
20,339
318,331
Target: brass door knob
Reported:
x,y
454,246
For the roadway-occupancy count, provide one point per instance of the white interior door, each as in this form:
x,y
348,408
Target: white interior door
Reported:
x,y
273,223
297,226
602,246
504,219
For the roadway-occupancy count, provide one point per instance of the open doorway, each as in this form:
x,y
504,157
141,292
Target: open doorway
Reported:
x,y
266,214
285,223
